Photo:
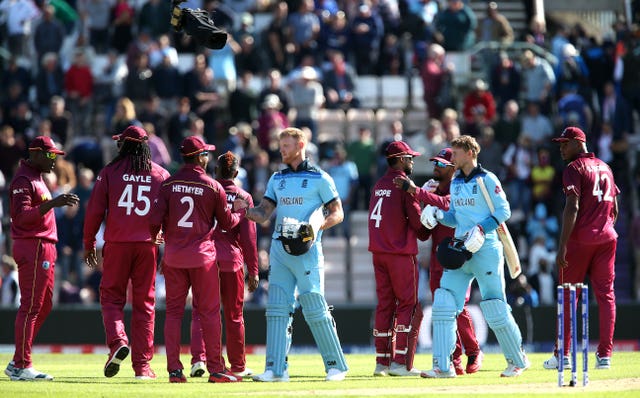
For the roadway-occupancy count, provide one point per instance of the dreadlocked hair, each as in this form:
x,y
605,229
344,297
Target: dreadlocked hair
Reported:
x,y
138,152
227,165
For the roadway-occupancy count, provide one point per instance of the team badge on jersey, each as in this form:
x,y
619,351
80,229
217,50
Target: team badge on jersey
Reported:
x,y
46,265
282,184
305,182
498,190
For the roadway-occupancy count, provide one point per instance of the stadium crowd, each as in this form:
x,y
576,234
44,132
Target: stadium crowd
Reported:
x,y
307,57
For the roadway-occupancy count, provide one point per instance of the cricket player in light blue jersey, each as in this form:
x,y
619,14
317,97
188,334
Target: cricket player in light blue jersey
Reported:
x,y
475,226
298,195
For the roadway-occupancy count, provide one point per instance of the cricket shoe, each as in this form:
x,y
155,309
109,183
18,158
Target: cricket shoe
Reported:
x,y
177,376
436,373
246,372
29,374
457,366
474,362
603,362
198,369
552,363
269,377
381,370
398,369
223,378
514,371
146,374
112,367
334,374
9,369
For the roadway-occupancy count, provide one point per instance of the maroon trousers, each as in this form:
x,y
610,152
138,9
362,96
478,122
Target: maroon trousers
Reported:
x,y
124,262
36,273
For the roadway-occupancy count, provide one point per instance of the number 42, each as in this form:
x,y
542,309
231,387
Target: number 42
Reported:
x,y
597,190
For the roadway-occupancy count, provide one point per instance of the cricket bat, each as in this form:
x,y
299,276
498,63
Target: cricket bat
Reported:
x,y
510,251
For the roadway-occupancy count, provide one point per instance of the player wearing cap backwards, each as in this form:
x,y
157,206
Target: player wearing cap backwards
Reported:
x,y
187,208
474,224
34,234
588,240
436,193
122,198
394,230
298,195
235,247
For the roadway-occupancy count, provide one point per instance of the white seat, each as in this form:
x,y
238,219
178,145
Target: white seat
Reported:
x,y
394,92
417,93
331,124
368,91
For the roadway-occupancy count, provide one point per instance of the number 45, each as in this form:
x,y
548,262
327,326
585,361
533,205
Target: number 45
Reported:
x,y
597,190
126,199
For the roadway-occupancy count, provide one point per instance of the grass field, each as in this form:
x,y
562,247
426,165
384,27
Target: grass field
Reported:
x,y
80,375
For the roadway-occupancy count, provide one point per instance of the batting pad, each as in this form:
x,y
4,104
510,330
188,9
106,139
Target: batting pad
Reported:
x,y
500,320
279,315
323,328
443,315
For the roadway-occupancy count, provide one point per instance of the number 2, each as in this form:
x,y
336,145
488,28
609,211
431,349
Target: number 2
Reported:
x,y
184,221
376,213
597,190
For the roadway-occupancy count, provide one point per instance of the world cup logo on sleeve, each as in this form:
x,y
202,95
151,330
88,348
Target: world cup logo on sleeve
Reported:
x,y
46,265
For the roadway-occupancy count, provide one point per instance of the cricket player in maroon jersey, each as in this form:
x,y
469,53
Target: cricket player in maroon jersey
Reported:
x,y
34,234
438,195
394,227
187,208
234,248
588,240
122,198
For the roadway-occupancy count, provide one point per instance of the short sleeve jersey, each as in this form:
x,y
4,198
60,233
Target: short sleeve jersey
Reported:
x,y
592,181
298,193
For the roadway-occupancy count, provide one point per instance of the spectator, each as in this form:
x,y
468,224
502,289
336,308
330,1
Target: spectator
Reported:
x,y
139,82
522,294
538,81
495,26
536,126
270,123
573,110
274,86
345,175
505,81
12,149
543,176
279,50
49,82
491,154
456,26
243,101
518,161
78,85
539,252
164,49
15,71
508,126
152,113
304,27
109,82
363,153
122,21
545,283
249,58
61,123
367,31
164,78
223,66
9,288
49,34
338,83
572,71
428,143
336,35
479,107
542,224
95,16
153,17
307,98
159,152
19,16
436,81
179,123
392,56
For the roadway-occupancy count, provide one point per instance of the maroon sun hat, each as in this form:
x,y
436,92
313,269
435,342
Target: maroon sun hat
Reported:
x,y
193,145
46,144
400,148
444,156
571,133
132,133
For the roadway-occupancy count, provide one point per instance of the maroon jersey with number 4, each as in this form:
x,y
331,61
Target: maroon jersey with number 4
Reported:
x,y
591,180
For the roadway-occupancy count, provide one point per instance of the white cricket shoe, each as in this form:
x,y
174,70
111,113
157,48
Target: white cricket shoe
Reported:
x,y
397,369
269,377
381,370
514,371
603,362
198,369
9,368
246,372
334,374
29,374
436,373
552,363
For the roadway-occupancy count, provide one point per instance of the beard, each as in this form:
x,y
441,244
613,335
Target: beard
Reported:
x,y
408,170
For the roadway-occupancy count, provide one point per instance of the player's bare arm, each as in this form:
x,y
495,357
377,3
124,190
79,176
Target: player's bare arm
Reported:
x,y
569,216
335,214
260,213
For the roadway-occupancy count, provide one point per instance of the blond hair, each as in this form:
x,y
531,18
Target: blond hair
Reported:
x,y
467,143
295,133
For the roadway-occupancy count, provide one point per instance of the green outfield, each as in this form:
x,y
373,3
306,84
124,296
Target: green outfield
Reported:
x,y
81,376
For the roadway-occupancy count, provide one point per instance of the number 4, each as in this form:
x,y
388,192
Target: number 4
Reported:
x,y
376,213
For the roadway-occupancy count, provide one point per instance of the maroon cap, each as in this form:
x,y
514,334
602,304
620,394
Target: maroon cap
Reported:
x,y
132,133
400,148
44,143
444,156
571,133
193,145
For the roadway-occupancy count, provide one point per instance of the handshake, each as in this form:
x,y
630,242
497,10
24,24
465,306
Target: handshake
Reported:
x,y
473,240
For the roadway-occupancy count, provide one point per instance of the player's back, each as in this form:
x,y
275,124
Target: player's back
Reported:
x,y
130,197
592,179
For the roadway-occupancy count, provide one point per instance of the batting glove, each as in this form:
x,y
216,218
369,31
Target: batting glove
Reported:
x,y
474,239
431,185
430,216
